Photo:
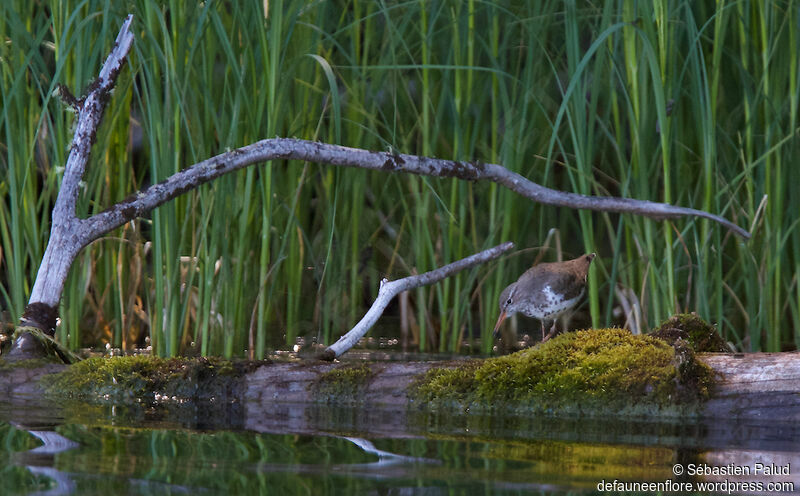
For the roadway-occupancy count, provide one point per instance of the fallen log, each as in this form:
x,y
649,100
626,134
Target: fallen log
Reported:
x,y
751,386
756,387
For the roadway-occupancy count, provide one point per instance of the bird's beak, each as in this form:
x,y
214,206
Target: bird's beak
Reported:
x,y
500,320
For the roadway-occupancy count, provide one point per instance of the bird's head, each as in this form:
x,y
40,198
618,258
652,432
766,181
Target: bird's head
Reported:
x,y
584,262
508,306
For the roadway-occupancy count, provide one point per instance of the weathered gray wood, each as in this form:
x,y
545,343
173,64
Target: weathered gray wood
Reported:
x,y
323,153
390,289
737,430
756,386
291,382
69,234
24,381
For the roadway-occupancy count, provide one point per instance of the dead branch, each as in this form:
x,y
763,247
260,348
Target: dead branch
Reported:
x,y
390,289
67,232
310,151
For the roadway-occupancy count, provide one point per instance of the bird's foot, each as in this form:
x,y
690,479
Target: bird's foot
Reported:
x,y
549,334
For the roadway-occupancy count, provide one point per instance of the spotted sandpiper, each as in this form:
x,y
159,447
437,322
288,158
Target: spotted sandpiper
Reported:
x,y
545,291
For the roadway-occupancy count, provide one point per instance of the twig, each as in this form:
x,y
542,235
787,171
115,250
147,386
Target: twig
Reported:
x,y
390,289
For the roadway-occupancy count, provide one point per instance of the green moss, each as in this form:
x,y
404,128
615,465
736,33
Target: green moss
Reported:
x,y
702,336
148,379
47,346
605,371
345,384
452,386
695,378
31,363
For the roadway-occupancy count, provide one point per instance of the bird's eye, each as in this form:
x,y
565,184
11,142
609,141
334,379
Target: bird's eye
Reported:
x,y
508,302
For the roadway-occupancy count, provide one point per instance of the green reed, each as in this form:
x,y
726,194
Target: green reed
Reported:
x,y
692,103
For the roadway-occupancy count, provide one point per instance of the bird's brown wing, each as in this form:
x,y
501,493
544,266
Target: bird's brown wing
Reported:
x,y
565,283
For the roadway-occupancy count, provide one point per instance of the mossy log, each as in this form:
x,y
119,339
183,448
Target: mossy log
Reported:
x,y
753,387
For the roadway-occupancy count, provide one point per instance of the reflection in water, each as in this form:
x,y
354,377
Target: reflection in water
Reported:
x,y
52,443
39,460
386,458
325,450
61,482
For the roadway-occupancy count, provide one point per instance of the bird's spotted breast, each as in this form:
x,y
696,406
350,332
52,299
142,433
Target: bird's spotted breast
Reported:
x,y
548,304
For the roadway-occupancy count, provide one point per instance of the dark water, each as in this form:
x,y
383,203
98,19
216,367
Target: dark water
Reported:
x,y
296,449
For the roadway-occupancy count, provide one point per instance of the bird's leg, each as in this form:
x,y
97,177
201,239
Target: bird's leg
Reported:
x,y
551,333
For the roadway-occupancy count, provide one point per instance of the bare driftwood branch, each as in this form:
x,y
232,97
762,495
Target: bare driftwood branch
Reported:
x,y
390,289
297,149
69,234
